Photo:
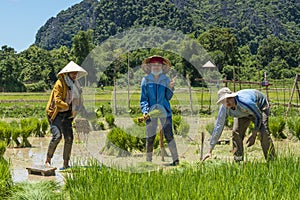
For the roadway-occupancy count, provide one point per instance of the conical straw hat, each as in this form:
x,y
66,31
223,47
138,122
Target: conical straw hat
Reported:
x,y
73,67
166,64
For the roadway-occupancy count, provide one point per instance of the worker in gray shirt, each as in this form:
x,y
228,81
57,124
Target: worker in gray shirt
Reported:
x,y
245,106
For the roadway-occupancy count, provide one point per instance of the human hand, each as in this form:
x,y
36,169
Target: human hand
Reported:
x,y
208,155
172,82
251,139
146,116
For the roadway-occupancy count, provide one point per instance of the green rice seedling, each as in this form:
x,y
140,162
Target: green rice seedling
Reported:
x,y
27,128
110,119
117,142
5,132
16,132
44,126
278,179
123,142
183,128
250,128
36,124
156,113
97,125
294,126
276,126
44,190
5,176
2,148
229,122
176,120
210,127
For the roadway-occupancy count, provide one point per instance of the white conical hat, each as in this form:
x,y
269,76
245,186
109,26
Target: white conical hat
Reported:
x,y
73,67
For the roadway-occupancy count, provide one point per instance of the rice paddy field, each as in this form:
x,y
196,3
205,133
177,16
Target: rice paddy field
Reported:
x,y
216,178
212,180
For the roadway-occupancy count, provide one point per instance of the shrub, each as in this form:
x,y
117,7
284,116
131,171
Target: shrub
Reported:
x,y
36,87
110,119
276,126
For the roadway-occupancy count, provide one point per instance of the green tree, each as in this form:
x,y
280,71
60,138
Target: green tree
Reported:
x,y
82,45
9,71
221,44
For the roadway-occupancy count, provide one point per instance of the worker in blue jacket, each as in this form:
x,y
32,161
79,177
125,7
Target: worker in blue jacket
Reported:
x,y
245,106
156,93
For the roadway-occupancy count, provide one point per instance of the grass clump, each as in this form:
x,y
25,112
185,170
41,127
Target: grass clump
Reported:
x,y
44,190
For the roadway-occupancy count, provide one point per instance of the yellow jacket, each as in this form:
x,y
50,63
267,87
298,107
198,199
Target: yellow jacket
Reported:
x,y
57,99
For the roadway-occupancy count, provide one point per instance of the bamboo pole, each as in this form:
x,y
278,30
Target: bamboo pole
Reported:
x,y
292,94
161,143
190,92
128,83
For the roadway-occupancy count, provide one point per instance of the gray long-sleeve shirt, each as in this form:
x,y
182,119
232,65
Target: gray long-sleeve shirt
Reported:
x,y
248,102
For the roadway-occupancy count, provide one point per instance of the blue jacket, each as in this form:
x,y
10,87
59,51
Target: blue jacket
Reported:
x,y
153,93
248,102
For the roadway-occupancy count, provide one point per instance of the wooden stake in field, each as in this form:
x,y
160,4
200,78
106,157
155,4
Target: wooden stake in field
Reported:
x,y
190,92
295,87
202,145
161,143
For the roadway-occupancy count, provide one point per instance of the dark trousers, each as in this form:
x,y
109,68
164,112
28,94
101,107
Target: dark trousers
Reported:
x,y
62,125
168,133
239,128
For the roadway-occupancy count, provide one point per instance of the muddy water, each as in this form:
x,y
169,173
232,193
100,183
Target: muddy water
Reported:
x,y
89,146
21,158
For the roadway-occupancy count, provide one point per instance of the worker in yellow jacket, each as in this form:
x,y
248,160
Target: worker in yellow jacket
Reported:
x,y
64,103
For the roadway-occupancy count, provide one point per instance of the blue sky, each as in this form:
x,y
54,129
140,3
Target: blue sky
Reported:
x,y
21,19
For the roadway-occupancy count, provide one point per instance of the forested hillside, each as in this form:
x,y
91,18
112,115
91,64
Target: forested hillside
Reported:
x,y
250,20
246,38
58,31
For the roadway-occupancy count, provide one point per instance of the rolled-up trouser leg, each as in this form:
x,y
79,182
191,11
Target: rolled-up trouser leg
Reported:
x,y
240,126
68,137
151,134
168,132
56,138
265,139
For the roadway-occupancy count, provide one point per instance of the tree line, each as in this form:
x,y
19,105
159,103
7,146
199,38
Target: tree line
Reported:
x,y
35,69
243,38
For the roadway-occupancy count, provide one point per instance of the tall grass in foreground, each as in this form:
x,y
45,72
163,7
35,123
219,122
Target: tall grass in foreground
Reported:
x,y
43,190
5,178
279,179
